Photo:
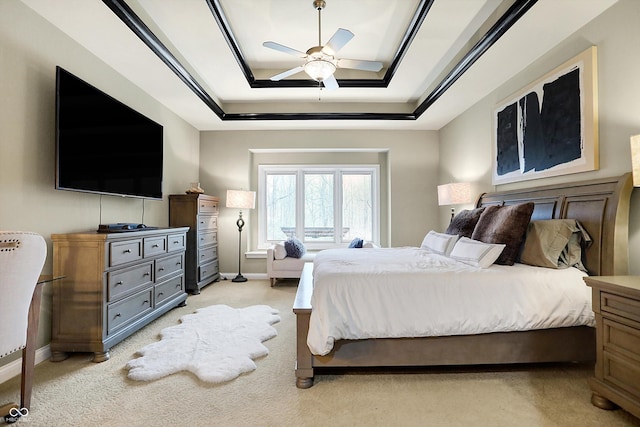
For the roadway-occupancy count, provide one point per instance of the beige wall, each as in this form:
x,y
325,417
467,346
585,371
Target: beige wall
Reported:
x,y
30,49
465,143
410,207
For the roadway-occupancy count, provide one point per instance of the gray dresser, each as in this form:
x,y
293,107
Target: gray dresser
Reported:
x,y
113,285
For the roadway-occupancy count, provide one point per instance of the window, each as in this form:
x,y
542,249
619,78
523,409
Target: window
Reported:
x,y
322,206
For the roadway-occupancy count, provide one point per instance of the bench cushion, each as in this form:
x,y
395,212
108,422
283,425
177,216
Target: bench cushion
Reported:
x,y
290,264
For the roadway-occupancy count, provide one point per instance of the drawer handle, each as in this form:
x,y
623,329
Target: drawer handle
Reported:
x,y
160,294
145,301
127,251
147,274
178,263
118,315
155,246
161,269
178,286
120,282
202,256
176,242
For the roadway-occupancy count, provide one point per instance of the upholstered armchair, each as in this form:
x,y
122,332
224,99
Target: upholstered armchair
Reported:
x,y
22,255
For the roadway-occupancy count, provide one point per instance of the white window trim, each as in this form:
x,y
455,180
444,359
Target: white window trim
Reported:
x,y
263,170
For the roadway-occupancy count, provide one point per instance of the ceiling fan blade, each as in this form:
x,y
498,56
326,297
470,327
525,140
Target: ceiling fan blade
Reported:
x,y
285,49
330,83
357,64
337,41
287,73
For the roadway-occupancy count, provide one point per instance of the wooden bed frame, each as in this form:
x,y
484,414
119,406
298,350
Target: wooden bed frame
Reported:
x,y
602,206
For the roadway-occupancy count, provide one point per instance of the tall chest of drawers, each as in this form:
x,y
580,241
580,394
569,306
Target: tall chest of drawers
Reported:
x,y
616,304
113,285
199,212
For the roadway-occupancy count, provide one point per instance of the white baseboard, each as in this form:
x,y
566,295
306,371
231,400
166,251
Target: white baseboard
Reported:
x,y
14,368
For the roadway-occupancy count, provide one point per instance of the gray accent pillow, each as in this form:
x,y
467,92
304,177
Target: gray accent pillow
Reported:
x,y
506,225
294,247
464,223
356,243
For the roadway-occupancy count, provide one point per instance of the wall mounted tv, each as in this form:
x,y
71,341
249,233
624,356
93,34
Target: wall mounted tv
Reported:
x,y
103,146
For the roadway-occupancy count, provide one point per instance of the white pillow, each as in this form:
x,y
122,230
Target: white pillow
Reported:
x,y
279,252
368,244
439,243
475,253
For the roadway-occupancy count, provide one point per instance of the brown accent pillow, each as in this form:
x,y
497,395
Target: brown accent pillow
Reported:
x,y
464,223
506,225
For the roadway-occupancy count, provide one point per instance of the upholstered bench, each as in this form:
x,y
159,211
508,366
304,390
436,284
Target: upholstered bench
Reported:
x,y
287,267
281,266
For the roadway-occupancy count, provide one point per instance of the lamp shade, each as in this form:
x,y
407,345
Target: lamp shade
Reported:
x,y
241,199
635,159
456,193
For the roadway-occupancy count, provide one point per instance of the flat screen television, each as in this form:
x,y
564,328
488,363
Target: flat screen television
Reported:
x,y
102,145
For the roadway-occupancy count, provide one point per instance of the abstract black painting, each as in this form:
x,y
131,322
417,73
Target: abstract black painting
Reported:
x,y
550,127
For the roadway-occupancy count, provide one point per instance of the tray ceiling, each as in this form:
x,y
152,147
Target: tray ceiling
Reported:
x,y
204,59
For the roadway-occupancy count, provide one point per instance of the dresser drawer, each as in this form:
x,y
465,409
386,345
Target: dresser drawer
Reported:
x,y
207,254
207,238
622,373
207,222
207,206
176,242
128,280
168,289
124,252
621,338
130,308
167,266
207,271
155,246
620,305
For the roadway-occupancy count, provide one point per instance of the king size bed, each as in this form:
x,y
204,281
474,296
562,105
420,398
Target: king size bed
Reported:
x,y
376,328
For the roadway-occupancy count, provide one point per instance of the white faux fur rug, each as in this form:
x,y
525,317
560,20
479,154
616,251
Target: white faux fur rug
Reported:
x,y
216,343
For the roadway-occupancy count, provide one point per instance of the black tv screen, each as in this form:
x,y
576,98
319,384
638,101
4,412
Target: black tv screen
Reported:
x,y
103,146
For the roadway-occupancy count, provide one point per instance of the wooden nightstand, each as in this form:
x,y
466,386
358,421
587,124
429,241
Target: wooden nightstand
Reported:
x,y
616,304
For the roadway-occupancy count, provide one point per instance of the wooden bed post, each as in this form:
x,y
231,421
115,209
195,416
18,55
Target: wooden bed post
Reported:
x,y
302,310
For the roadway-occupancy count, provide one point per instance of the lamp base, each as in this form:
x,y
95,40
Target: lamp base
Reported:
x,y
239,278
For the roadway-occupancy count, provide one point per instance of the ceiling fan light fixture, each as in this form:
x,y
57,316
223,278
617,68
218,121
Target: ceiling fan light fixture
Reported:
x,y
321,62
319,69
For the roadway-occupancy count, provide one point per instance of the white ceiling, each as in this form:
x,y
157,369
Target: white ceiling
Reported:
x,y
190,33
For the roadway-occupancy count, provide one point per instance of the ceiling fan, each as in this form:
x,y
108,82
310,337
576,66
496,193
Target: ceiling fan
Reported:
x,y
320,61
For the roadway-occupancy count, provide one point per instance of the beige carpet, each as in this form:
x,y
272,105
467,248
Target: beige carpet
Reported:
x,y
77,392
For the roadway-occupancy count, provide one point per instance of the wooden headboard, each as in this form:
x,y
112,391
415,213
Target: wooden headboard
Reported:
x,y
601,206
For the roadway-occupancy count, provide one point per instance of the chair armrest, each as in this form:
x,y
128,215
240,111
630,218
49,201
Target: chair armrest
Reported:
x,y
270,258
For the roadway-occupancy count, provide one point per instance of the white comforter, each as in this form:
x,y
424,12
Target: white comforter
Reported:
x,y
409,292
